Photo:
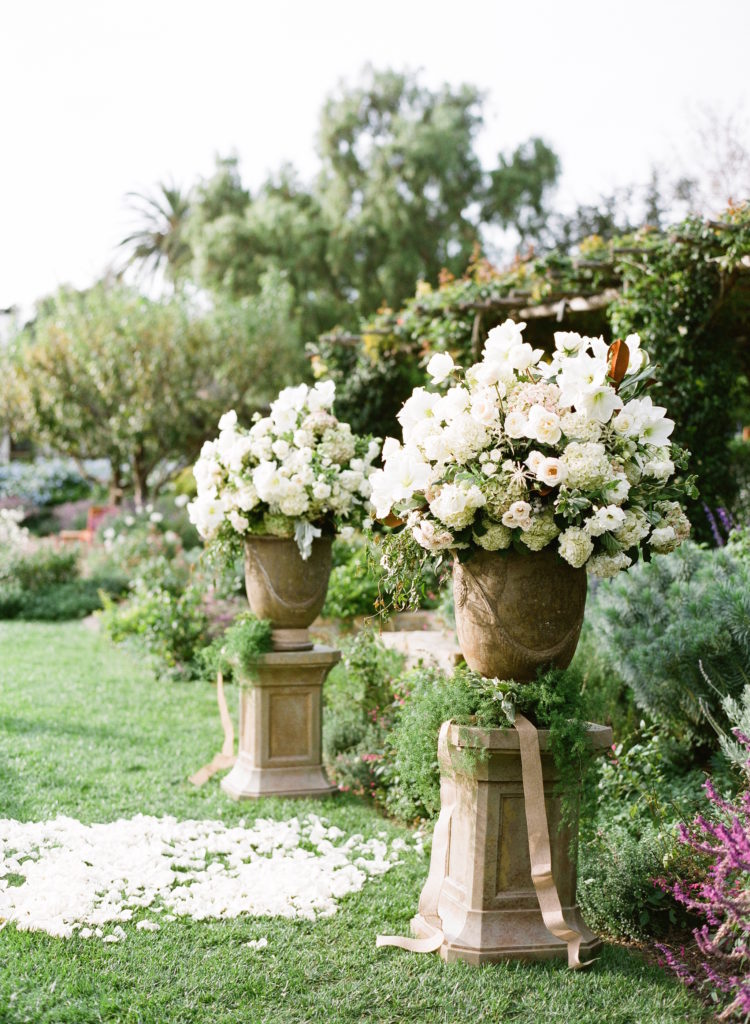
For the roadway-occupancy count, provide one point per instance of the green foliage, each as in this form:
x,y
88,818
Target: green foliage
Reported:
x,y
59,601
401,194
428,697
109,373
43,482
236,652
616,890
44,583
354,583
359,710
665,623
39,567
124,745
170,627
609,700
674,294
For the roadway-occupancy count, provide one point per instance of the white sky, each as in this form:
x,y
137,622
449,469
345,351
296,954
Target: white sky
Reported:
x,y
102,97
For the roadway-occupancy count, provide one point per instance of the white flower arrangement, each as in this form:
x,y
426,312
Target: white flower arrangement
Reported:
x,y
297,472
530,452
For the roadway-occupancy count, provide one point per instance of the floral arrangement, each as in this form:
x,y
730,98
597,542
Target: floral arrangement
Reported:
x,y
295,473
529,452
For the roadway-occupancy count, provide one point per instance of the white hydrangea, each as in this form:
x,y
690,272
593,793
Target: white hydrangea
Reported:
x,y
604,565
575,546
456,504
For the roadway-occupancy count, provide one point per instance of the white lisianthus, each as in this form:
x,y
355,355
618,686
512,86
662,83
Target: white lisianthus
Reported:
x,y
551,471
455,402
534,460
617,489
440,367
321,490
575,546
605,520
660,469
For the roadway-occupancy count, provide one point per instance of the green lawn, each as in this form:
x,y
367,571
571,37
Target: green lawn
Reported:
x,y
87,731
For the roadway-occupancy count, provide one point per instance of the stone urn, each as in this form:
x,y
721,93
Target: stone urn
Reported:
x,y
518,612
285,588
480,881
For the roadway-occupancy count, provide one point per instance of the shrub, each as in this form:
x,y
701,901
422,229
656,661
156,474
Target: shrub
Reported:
x,y
170,627
666,624
43,482
359,700
40,567
616,891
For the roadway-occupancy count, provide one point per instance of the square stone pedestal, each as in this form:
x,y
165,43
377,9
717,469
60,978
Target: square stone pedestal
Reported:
x,y
280,742
487,908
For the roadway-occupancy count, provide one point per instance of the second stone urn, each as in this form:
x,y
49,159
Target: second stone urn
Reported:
x,y
518,612
285,588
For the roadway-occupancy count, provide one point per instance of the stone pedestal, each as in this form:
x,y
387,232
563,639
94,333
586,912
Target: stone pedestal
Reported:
x,y
488,907
280,742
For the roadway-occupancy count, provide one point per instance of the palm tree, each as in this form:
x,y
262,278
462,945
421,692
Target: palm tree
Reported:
x,y
159,242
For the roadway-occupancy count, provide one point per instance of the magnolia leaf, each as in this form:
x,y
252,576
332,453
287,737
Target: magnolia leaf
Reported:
x,y
619,358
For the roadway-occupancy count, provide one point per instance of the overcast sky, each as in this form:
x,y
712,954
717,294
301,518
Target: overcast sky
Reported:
x,y
102,97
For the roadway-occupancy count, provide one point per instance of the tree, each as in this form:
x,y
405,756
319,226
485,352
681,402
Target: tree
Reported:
x,y
400,195
109,373
160,242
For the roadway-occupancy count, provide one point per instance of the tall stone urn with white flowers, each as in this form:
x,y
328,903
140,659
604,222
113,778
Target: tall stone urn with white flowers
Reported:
x,y
279,491
526,472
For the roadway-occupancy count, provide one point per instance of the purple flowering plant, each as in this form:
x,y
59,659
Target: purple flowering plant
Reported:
x,y
722,899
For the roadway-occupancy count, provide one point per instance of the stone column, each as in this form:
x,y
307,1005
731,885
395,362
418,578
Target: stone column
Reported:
x,y
488,906
280,741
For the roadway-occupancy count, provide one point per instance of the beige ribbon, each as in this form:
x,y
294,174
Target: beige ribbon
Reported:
x,y
540,854
441,841
226,758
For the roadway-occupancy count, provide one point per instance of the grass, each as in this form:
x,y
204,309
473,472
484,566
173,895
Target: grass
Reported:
x,y
86,730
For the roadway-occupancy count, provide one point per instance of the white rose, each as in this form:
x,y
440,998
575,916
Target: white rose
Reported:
x,y
321,396
484,407
321,490
228,421
543,425
534,461
551,472
519,514
440,367
515,424
280,448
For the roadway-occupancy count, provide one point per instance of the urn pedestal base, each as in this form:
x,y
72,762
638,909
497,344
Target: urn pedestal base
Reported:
x,y
488,909
280,735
